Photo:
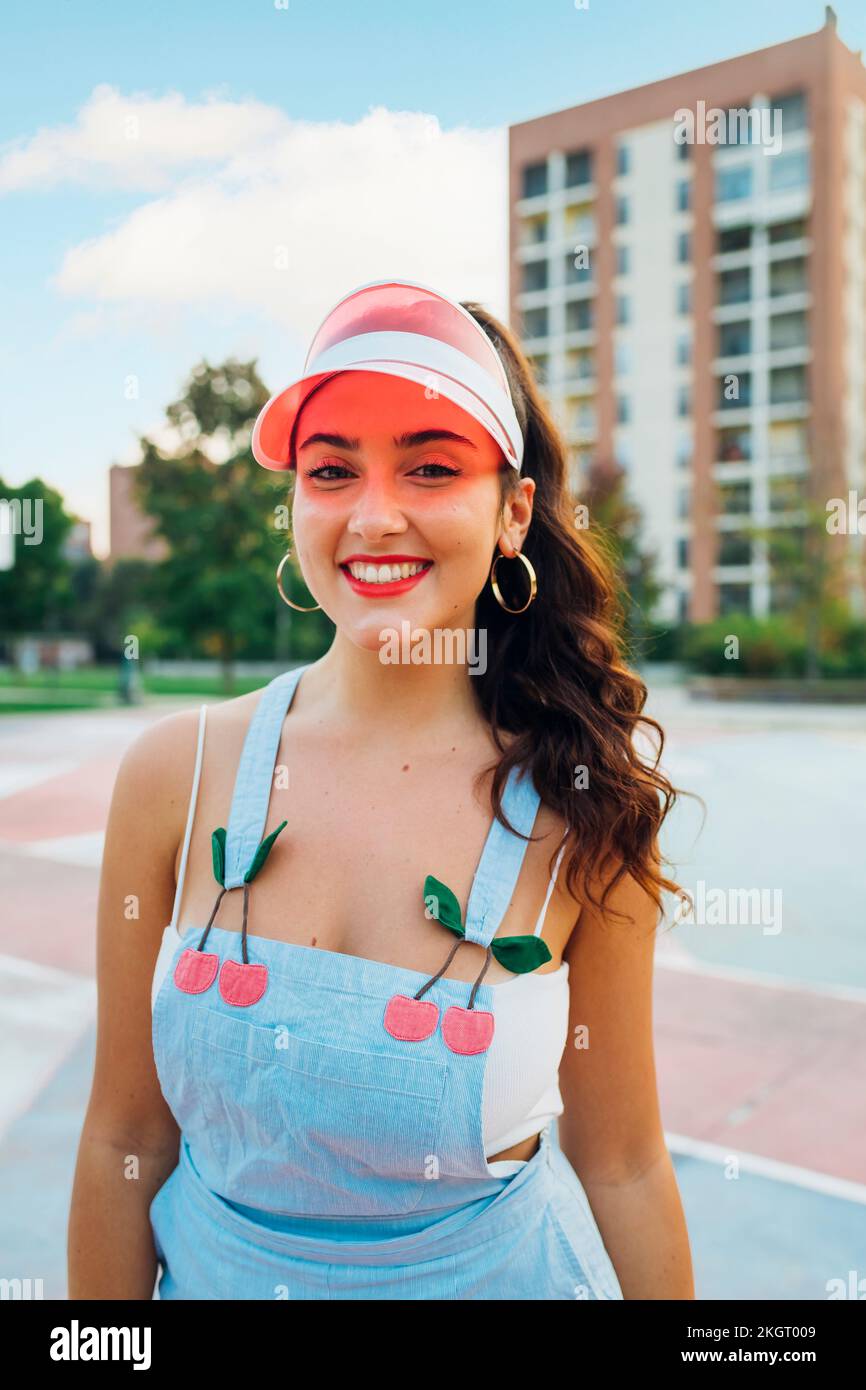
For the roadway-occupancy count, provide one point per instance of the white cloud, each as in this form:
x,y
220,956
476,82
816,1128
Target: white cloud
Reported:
x,y
256,212
137,142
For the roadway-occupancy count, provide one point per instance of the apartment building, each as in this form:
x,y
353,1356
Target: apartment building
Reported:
x,y
687,275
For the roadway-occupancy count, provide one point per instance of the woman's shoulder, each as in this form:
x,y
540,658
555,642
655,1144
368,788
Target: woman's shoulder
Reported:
x,y
158,764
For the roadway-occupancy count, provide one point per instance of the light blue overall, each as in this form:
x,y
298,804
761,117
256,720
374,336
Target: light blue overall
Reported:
x,y
322,1158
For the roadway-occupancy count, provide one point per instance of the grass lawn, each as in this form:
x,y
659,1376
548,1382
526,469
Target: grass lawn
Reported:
x,y
97,687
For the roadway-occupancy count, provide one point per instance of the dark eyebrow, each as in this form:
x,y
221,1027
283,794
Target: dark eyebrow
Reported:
x,y
403,441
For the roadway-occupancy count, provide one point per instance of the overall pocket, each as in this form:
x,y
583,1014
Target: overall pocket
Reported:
x,y
299,1126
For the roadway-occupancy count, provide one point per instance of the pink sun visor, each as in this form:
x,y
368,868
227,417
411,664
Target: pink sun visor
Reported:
x,y
401,329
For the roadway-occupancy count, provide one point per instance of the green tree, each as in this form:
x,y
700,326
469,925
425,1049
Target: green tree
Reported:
x,y
37,594
215,508
806,570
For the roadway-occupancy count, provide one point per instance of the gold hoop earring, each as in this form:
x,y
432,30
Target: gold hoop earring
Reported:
x,y
296,606
533,582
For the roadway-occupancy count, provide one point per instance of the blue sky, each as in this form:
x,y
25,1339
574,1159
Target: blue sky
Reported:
x,y
202,177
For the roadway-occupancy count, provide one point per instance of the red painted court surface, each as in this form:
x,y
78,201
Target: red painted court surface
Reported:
x,y
760,1036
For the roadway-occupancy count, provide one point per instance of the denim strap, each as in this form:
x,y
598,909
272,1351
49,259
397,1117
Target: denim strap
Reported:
x,y
254,778
501,859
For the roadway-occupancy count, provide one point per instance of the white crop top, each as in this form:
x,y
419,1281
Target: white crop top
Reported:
x,y
521,1079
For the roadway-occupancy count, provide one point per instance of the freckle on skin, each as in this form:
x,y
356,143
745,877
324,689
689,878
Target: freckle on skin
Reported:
x,y
313,942
405,767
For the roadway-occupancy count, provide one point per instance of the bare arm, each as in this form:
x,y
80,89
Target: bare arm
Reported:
x,y
129,1141
611,1131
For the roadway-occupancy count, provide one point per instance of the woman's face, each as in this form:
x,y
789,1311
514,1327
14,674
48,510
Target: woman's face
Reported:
x,y
388,476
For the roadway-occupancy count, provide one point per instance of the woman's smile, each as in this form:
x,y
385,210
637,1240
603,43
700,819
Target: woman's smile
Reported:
x,y
381,576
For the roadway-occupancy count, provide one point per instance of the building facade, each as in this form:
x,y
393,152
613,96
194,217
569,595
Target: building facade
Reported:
x,y
130,529
687,276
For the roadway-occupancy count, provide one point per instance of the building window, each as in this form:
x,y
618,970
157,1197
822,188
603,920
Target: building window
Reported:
x,y
735,391
788,277
733,239
684,248
621,359
789,171
623,309
684,451
578,168
787,231
683,151
622,211
683,553
734,598
788,442
789,113
623,414
534,230
734,549
788,331
684,297
534,276
788,385
684,400
684,502
534,180
735,498
535,323
683,198
578,316
735,286
735,183
579,364
787,494
623,260
577,274
623,159
734,444
735,339
684,349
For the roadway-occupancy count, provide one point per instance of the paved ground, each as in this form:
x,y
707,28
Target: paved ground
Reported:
x,y
760,1018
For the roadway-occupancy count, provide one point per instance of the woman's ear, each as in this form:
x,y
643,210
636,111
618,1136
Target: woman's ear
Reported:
x,y
516,516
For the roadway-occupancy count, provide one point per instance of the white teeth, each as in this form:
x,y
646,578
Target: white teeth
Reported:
x,y
382,574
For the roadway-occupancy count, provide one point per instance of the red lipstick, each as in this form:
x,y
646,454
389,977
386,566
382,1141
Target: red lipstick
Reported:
x,y
394,586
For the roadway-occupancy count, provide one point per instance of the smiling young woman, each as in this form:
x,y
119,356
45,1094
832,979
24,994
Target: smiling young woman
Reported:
x,y
358,1058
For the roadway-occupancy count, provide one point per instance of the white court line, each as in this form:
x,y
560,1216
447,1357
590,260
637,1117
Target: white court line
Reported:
x,y
773,1168
853,994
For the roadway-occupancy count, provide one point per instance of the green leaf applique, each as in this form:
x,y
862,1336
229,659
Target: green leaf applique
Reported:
x,y
441,903
520,954
218,850
262,852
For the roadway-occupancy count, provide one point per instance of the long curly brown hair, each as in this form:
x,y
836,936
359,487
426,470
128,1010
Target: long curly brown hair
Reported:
x,y
556,678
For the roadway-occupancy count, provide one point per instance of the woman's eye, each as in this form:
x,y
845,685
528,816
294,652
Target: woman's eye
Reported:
x,y
445,470
335,472
329,472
